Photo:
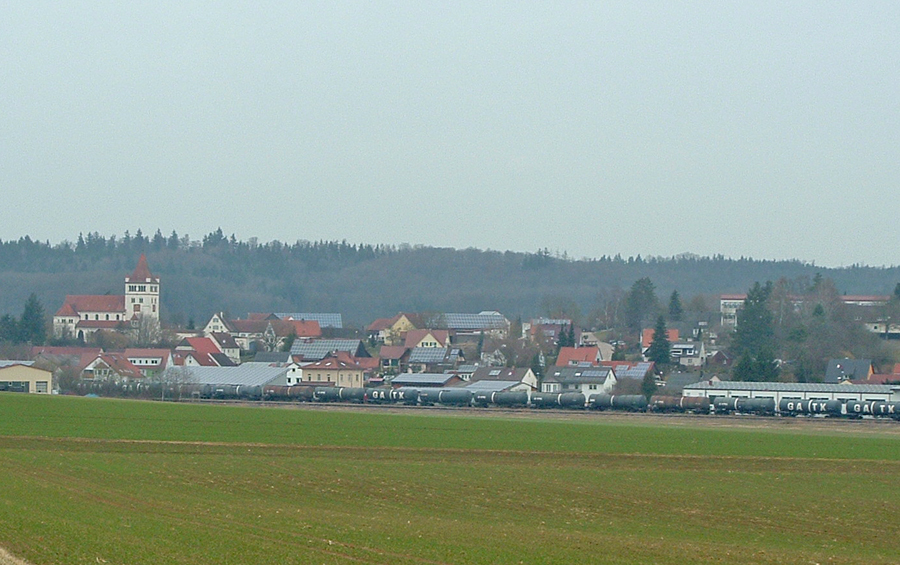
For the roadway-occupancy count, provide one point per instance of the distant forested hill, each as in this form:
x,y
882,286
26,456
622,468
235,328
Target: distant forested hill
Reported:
x,y
367,281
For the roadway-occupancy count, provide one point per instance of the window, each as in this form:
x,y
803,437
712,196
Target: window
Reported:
x,y
107,316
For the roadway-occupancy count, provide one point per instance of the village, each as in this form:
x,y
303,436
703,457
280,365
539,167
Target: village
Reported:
x,y
482,351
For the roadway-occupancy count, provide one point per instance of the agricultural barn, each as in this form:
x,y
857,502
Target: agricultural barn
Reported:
x,y
248,374
21,376
424,380
795,391
496,386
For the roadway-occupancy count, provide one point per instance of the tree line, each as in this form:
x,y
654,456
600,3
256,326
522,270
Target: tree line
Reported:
x,y
364,281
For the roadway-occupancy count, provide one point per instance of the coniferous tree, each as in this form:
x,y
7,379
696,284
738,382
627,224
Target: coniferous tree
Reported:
x,y
660,349
9,329
754,339
640,303
32,328
648,385
676,311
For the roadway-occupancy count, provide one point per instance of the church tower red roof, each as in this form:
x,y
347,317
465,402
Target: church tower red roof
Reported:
x,y
142,272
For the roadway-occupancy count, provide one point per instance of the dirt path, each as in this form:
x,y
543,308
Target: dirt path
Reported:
x,y
8,559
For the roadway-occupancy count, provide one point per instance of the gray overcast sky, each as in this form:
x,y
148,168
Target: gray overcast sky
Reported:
x,y
761,129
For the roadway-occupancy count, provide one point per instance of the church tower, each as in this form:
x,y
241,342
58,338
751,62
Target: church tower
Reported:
x,y
142,293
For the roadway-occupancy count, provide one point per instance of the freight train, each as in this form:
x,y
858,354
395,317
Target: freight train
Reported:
x,y
460,397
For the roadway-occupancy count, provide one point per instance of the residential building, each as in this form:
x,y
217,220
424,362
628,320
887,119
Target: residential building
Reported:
x,y
586,380
840,370
334,371
523,377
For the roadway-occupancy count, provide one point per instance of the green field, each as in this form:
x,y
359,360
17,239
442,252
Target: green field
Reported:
x,y
112,481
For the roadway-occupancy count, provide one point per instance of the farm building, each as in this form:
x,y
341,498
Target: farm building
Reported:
x,y
427,380
21,376
802,391
248,374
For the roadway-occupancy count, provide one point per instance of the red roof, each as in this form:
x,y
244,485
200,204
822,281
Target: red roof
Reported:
x,y
381,324
392,351
261,316
203,345
82,303
413,337
58,350
145,352
282,328
305,328
142,272
334,363
100,324
118,362
883,379
202,359
647,336
66,310
575,355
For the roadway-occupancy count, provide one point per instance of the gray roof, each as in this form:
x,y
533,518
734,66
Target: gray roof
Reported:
x,y
272,357
10,363
500,373
577,374
847,369
467,368
433,355
791,387
480,321
319,349
679,381
326,320
246,374
491,386
625,371
436,379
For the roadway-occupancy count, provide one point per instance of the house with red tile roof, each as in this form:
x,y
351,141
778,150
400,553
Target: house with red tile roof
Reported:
x,y
113,367
262,333
392,331
427,338
578,356
647,337
82,315
334,371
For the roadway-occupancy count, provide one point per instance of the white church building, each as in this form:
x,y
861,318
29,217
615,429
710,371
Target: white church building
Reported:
x,y
81,315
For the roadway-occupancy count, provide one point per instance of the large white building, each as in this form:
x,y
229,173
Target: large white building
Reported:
x,y
81,315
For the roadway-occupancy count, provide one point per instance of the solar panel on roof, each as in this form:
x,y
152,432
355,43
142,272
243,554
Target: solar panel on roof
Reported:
x,y
490,385
321,348
427,355
422,378
486,321
326,320
790,387
246,374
